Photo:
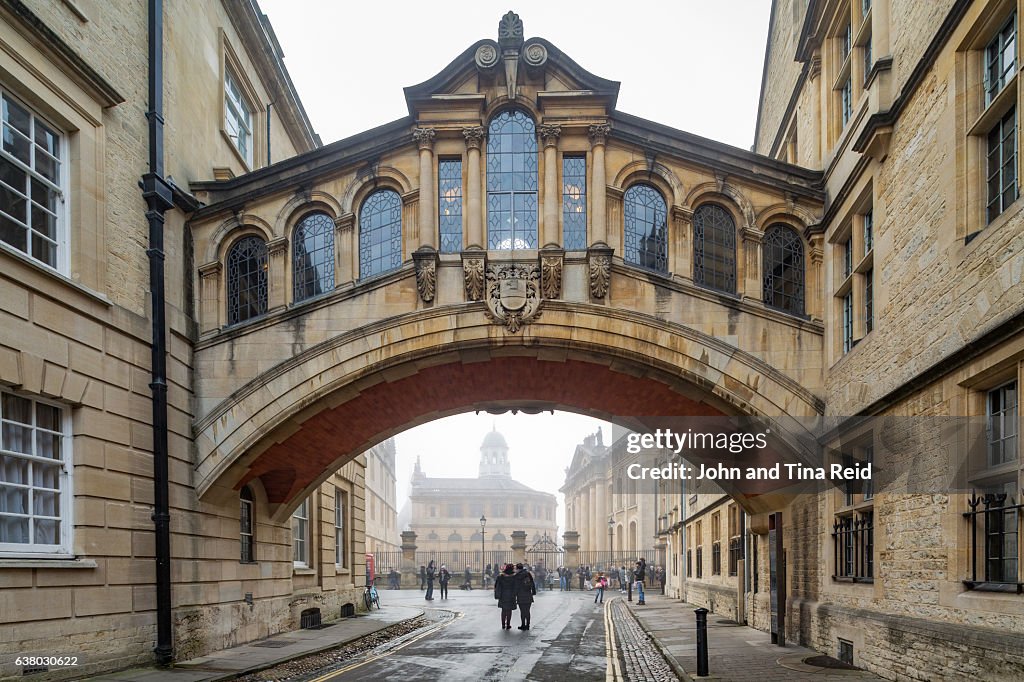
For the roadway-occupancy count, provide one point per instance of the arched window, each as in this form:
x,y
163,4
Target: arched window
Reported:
x,y
646,228
499,537
247,279
313,256
714,248
783,276
454,537
380,233
247,524
512,182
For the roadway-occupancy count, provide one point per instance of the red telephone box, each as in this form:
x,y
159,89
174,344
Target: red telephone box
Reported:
x,y
371,573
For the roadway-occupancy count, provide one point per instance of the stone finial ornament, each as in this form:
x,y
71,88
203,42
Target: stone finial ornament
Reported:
x,y
510,31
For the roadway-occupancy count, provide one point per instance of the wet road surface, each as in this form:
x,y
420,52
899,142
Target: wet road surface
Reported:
x,y
566,641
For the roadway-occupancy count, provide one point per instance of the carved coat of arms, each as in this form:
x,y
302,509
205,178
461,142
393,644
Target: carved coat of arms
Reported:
x,y
513,293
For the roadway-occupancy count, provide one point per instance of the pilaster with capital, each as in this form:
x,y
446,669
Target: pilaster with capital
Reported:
x,y
682,245
277,252
599,226
750,253
209,297
346,249
474,191
815,278
425,140
549,223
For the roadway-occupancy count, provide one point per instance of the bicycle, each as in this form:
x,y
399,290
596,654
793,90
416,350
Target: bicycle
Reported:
x,y
370,596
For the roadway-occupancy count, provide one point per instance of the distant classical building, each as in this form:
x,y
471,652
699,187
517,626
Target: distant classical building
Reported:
x,y
445,513
603,505
381,509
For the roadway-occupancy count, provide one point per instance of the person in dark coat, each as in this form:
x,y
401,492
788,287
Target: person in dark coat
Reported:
x,y
443,577
423,577
431,572
505,593
639,576
526,588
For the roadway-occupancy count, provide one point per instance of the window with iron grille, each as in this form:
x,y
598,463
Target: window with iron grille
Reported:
x,y
247,279
313,256
1002,165
246,525
783,272
845,651
380,233
994,516
340,535
735,539
32,183
300,535
574,203
1001,59
35,477
848,322
237,117
853,534
449,204
714,248
689,563
646,229
512,182
716,558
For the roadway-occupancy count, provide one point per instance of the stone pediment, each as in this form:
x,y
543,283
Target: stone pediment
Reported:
x,y
511,68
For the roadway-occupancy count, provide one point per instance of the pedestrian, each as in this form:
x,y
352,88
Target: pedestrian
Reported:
x,y
505,593
423,577
541,575
486,578
526,589
623,579
431,573
393,579
443,577
641,571
581,575
467,578
599,586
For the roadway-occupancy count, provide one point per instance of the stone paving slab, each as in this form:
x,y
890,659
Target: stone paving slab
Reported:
x,y
736,653
229,663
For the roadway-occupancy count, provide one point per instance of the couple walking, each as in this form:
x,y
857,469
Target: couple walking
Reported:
x,y
514,587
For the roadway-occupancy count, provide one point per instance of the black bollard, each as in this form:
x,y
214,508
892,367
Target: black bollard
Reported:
x,y
702,641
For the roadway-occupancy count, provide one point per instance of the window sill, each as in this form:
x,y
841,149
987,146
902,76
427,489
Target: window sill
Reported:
x,y
54,274
302,570
69,562
851,579
982,586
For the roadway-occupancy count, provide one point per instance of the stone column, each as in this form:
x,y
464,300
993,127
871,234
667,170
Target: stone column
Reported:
x,y
815,279
425,139
277,256
750,245
682,244
410,572
346,250
600,527
518,546
209,297
571,545
549,224
598,183
474,190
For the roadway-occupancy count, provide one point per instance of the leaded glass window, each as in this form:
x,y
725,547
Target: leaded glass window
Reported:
x,y
512,182
714,248
35,462
848,322
380,233
846,102
246,522
783,270
574,203
869,301
247,279
31,199
449,204
645,228
313,256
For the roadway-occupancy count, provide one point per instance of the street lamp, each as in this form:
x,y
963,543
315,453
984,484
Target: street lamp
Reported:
x,y
611,536
483,526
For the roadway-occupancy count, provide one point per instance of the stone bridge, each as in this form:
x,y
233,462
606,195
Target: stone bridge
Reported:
x,y
515,242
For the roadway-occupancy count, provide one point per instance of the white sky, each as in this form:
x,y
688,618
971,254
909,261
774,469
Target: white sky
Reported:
x,y
690,64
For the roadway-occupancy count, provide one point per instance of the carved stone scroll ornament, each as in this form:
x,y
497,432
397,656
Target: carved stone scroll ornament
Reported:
x,y
513,294
535,55
425,259
551,276
600,274
486,56
473,271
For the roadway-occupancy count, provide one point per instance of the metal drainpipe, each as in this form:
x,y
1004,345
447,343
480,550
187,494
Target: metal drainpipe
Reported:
x,y
159,199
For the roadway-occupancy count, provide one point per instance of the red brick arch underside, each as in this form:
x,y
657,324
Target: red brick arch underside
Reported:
x,y
287,468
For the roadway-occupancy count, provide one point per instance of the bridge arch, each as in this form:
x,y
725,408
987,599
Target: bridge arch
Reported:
x,y
292,424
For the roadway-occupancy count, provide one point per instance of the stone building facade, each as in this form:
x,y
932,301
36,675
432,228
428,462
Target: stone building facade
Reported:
x,y
77,541
445,513
382,531
911,112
